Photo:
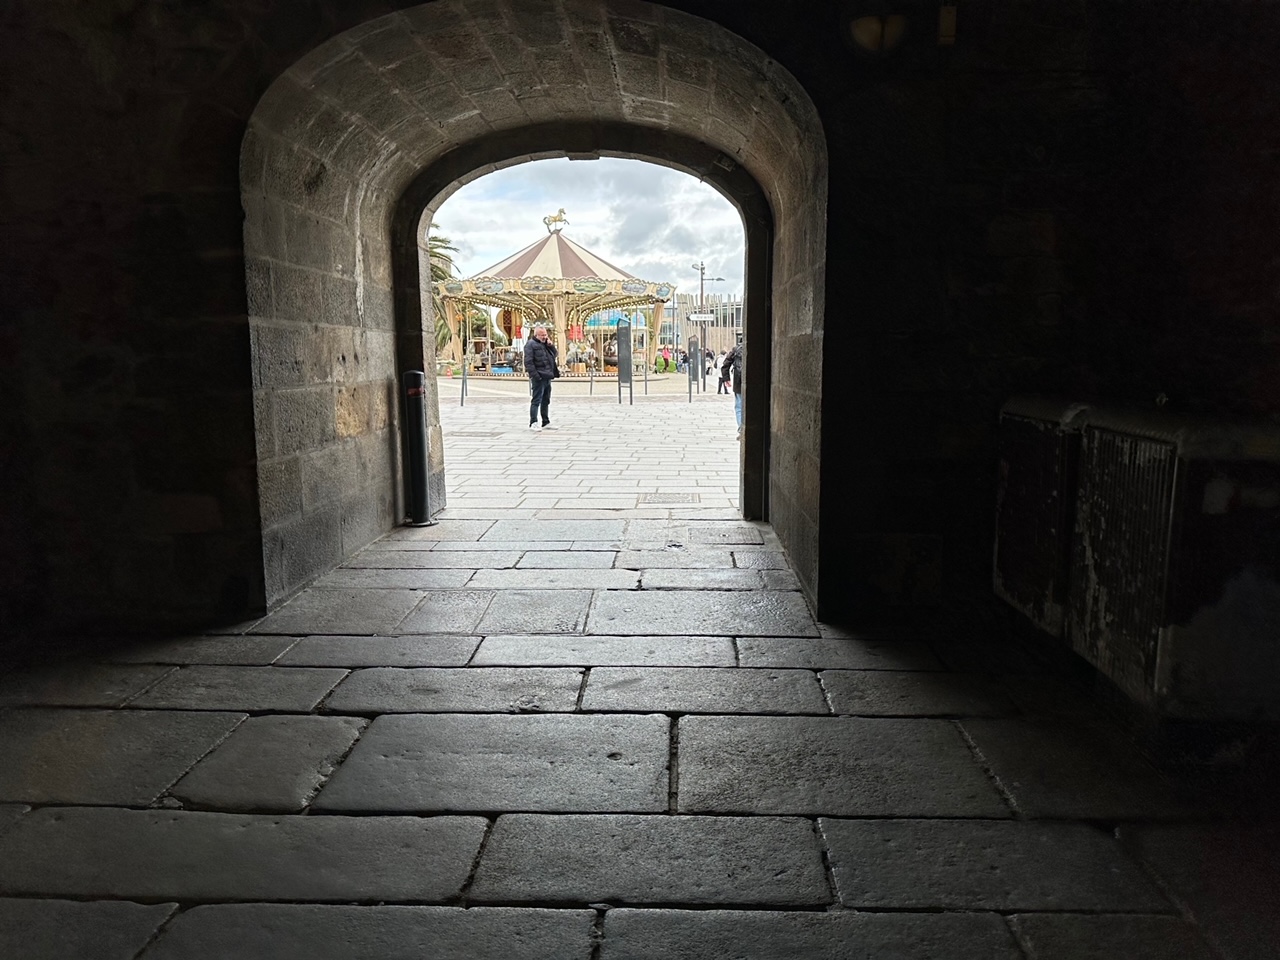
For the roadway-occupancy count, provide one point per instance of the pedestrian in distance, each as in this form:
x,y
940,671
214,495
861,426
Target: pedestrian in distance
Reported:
x,y
732,370
542,364
722,385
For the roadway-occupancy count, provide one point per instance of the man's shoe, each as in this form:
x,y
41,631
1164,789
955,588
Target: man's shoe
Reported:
x,y
535,428
549,426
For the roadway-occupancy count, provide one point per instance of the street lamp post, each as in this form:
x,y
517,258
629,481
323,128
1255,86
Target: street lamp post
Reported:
x,y
702,294
702,281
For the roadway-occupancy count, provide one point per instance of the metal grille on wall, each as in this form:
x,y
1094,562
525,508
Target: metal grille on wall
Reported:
x,y
1173,578
1120,555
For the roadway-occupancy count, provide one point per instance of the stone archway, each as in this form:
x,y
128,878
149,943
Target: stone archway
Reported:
x,y
351,144
430,188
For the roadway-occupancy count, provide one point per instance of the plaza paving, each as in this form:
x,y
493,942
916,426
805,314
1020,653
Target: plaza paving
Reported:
x,y
589,715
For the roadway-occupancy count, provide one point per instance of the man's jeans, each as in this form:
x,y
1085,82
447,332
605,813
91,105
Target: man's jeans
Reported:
x,y
539,399
737,408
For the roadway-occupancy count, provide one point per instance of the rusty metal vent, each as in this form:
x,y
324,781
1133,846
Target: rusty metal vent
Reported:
x,y
1120,555
668,498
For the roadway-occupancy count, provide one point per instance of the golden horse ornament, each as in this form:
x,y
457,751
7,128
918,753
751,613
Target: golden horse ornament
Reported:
x,y
556,218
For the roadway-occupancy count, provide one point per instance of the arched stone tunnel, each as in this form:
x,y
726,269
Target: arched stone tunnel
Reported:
x,y
351,144
211,282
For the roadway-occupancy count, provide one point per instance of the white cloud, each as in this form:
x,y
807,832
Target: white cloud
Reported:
x,y
649,220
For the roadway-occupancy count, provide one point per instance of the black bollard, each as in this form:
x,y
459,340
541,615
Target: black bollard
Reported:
x,y
415,426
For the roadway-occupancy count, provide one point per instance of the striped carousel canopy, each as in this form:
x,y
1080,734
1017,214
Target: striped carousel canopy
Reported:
x,y
555,255
555,277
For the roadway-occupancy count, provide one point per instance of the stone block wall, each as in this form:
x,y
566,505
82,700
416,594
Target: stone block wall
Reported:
x,y
420,342
345,134
325,380
127,415
1075,198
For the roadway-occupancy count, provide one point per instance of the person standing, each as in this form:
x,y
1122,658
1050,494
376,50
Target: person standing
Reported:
x,y
540,361
732,370
722,385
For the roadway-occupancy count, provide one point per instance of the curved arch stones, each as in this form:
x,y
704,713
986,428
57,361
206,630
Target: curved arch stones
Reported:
x,y
350,146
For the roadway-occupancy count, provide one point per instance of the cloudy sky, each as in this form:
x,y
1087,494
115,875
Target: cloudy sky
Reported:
x,y
651,221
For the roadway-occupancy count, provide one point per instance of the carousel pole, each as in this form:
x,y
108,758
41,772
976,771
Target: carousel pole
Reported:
x,y
451,320
462,399
559,311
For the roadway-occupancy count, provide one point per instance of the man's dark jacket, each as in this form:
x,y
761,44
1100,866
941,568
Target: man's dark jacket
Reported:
x,y
732,366
540,359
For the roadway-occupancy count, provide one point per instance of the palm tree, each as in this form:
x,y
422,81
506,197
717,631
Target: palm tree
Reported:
x,y
439,249
481,324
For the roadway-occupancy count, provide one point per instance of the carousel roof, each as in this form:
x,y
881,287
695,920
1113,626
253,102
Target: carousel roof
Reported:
x,y
555,276
555,255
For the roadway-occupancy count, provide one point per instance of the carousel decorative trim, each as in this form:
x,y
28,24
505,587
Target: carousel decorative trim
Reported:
x,y
480,288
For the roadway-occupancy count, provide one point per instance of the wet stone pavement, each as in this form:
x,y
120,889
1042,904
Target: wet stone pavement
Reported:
x,y
569,722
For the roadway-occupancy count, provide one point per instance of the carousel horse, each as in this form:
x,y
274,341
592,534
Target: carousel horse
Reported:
x,y
559,218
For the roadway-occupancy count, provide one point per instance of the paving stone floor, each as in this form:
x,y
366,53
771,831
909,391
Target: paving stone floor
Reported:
x,y
579,718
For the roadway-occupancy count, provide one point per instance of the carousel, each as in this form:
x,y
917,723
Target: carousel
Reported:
x,y
579,296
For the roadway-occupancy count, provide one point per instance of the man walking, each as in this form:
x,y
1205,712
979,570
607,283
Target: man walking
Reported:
x,y
540,362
